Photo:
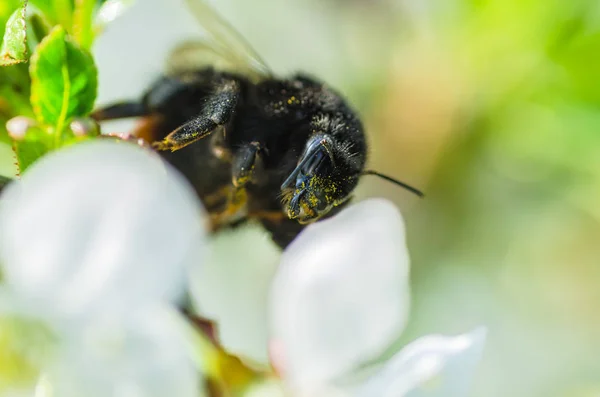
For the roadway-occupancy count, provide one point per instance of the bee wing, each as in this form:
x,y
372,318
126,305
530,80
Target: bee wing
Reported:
x,y
190,55
226,46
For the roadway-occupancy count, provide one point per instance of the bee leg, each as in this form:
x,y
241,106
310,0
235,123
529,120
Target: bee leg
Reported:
x,y
216,201
218,109
245,161
234,211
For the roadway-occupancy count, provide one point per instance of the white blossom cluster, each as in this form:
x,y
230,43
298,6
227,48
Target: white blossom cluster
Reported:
x,y
98,243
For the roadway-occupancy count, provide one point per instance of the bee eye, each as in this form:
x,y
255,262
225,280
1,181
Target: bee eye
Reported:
x,y
316,160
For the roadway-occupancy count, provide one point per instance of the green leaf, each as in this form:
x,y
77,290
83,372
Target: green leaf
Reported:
x,y
63,80
64,12
14,44
28,150
36,142
7,7
14,92
46,8
58,12
8,166
82,22
37,28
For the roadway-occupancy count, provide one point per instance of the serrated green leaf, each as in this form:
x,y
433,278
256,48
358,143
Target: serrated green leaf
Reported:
x,y
28,150
7,7
14,43
63,80
8,166
37,143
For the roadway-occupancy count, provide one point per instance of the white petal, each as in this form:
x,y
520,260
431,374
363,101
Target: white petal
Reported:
x,y
99,224
340,296
231,288
143,356
432,366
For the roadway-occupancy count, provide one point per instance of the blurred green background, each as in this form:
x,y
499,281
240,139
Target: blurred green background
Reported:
x,y
492,107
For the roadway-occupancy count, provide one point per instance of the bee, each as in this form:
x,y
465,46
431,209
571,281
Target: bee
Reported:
x,y
283,151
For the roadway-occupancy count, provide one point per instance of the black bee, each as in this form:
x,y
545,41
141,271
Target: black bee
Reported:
x,y
285,152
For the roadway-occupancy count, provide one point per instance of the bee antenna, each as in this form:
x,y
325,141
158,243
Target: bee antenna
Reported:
x,y
395,181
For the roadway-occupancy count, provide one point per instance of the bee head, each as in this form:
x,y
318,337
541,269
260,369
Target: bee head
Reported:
x,y
328,169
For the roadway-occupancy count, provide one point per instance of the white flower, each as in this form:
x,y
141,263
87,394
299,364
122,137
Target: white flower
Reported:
x,y
341,294
76,230
95,242
340,299
231,288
